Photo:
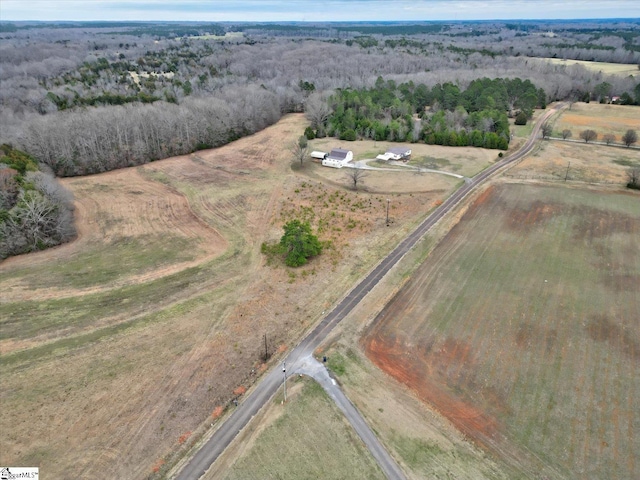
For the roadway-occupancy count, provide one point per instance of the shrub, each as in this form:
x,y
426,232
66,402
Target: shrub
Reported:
x,y
309,133
521,118
349,135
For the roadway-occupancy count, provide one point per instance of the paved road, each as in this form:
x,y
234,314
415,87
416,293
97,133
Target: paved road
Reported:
x,y
270,383
316,370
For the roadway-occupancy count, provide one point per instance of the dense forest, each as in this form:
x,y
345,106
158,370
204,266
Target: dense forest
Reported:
x,y
475,116
82,98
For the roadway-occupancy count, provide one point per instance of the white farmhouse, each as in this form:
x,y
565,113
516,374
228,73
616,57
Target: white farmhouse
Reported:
x,y
338,158
398,153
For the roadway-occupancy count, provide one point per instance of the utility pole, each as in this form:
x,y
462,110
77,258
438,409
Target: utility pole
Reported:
x,y
266,352
388,211
566,175
284,379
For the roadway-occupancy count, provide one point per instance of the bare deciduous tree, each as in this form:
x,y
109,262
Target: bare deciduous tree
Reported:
x,y
630,137
609,138
588,135
566,133
300,152
317,110
355,176
546,130
633,174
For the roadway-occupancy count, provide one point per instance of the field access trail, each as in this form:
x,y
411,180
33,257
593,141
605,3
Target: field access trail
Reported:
x,y
296,359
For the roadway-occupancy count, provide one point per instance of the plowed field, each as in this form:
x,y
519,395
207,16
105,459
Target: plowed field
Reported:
x,y
523,329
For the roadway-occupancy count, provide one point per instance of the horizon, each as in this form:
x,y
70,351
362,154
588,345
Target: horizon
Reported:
x,y
300,11
330,22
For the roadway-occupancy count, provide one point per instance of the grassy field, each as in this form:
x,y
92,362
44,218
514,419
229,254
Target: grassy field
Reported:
x,y
622,69
424,443
465,161
119,349
307,438
522,329
604,119
585,163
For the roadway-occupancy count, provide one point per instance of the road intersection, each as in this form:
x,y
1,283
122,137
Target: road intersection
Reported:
x,y
300,358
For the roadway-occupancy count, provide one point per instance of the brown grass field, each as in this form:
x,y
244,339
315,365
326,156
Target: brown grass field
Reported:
x,y
604,119
120,348
521,328
592,164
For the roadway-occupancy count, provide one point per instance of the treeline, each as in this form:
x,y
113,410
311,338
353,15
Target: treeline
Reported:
x,y
105,138
36,212
46,71
442,115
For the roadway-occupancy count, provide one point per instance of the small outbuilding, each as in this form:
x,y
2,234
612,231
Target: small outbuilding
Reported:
x,y
338,158
319,155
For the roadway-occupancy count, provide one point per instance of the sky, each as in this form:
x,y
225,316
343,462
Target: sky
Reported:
x,y
314,10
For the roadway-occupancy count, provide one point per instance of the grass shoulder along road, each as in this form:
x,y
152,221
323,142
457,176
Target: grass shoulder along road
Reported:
x,y
306,438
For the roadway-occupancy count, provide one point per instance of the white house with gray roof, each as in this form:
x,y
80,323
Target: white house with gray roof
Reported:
x,y
395,153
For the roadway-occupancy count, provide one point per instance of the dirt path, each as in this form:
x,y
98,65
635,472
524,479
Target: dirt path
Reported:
x,y
363,164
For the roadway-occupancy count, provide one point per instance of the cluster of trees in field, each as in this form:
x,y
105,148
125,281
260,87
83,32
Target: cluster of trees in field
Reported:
x,y
629,138
474,116
297,245
36,212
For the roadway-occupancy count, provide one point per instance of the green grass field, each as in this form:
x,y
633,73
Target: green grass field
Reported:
x,y
125,256
310,440
523,325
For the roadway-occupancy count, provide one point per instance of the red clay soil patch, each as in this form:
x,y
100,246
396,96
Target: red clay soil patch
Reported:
x,y
602,329
596,223
524,220
421,372
158,465
217,412
239,390
184,437
484,197
528,333
481,200
622,282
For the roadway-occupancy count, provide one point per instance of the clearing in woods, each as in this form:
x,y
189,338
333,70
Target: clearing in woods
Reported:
x,y
119,347
522,328
623,69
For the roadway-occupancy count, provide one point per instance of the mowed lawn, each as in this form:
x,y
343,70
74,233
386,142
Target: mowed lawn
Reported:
x,y
523,327
310,439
